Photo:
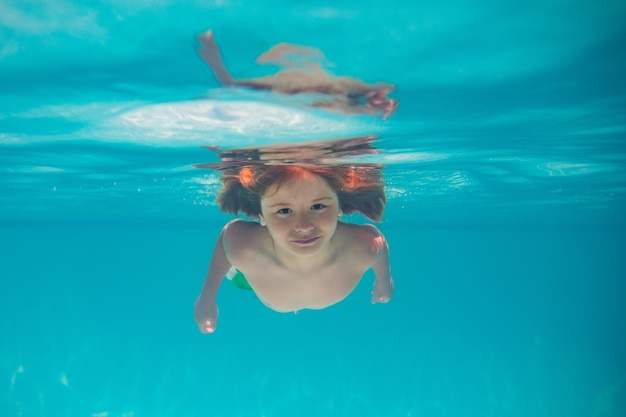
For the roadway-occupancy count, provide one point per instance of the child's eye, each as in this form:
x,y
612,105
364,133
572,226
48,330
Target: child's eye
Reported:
x,y
284,211
318,206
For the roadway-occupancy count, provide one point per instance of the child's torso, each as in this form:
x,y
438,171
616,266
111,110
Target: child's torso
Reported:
x,y
284,290
288,289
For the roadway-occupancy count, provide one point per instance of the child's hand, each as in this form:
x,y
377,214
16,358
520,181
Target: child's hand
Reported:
x,y
205,313
383,291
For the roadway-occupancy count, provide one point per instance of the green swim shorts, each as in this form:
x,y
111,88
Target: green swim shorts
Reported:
x,y
238,279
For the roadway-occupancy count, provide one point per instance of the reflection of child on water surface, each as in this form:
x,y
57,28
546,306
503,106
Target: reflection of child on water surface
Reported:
x,y
299,255
347,94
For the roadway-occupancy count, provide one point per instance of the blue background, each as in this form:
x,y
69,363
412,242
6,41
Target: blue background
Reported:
x,y
506,184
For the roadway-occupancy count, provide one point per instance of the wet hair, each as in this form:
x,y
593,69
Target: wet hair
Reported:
x,y
359,188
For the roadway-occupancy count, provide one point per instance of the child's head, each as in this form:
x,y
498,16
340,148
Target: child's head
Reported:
x,y
358,188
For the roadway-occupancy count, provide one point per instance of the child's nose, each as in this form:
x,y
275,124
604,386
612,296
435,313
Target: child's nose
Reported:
x,y
303,224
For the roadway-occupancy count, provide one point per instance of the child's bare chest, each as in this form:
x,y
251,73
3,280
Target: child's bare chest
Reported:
x,y
285,291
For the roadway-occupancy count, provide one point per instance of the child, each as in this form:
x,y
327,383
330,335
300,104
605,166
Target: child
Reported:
x,y
299,255
347,94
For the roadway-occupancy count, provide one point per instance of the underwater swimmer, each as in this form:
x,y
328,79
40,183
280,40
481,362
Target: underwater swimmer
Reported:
x,y
298,255
346,94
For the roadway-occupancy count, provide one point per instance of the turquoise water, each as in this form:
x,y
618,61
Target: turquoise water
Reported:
x,y
505,171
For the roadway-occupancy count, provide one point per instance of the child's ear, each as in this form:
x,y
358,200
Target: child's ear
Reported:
x,y
261,220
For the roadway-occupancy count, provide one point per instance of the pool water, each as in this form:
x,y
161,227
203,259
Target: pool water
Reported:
x,y
505,168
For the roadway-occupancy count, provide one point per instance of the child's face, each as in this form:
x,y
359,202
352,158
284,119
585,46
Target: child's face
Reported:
x,y
301,214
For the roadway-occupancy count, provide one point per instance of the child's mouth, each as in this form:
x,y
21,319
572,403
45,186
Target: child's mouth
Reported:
x,y
306,241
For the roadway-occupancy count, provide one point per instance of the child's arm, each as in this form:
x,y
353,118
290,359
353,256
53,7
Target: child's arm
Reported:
x,y
383,284
205,308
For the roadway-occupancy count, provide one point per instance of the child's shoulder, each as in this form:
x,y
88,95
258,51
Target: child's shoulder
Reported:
x,y
364,243
239,225
367,237
362,230
240,233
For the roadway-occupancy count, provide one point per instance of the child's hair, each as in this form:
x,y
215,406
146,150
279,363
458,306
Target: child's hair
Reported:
x,y
359,188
